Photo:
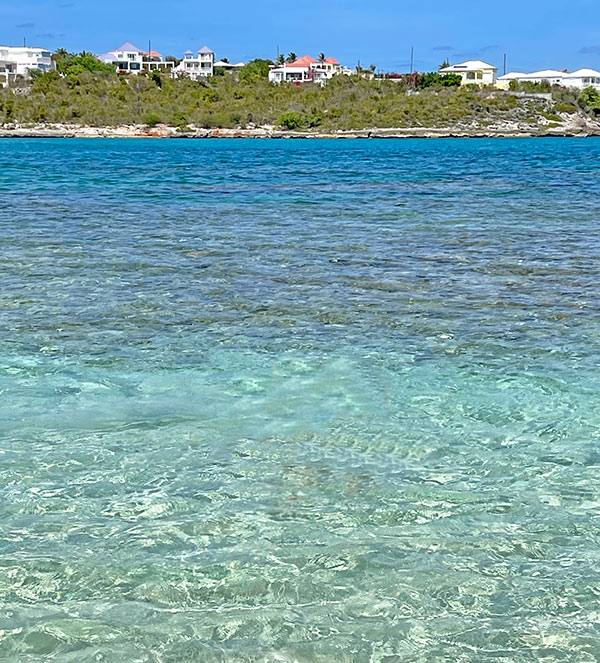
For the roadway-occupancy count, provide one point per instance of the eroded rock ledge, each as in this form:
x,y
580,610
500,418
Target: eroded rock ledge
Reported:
x,y
571,126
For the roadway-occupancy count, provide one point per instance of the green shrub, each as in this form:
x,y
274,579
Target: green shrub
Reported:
x,y
590,98
565,108
552,116
255,69
151,119
291,121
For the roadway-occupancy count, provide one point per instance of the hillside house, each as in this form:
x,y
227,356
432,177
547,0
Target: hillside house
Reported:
x,y
306,70
128,58
22,59
197,67
581,78
472,72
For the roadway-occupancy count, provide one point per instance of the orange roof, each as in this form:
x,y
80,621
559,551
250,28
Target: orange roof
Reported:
x,y
331,61
304,61
153,53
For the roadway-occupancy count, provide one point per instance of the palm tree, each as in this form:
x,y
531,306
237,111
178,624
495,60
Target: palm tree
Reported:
x,y
321,57
292,57
281,59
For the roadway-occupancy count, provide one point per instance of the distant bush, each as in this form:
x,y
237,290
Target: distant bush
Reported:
x,y
590,98
156,78
255,69
73,64
433,79
553,117
530,86
565,108
151,119
291,121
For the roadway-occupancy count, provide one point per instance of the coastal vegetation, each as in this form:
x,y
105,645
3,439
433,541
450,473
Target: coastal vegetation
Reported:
x,y
85,91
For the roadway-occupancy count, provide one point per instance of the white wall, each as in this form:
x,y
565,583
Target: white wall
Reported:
x,y
27,58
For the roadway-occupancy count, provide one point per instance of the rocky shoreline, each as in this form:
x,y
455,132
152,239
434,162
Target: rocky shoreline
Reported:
x,y
571,126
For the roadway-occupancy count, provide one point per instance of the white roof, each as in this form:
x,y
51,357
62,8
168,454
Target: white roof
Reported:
x,y
512,75
546,73
583,73
469,65
23,49
228,65
108,57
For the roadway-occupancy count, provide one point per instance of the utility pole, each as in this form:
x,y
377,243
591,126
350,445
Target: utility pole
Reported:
x,y
505,64
412,58
24,42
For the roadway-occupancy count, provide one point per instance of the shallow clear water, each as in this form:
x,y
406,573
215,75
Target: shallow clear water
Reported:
x,y
299,401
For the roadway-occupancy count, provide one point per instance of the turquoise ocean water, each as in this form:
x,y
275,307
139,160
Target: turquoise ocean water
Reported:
x,y
300,401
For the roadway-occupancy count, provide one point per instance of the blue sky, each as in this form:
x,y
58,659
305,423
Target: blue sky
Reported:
x,y
535,34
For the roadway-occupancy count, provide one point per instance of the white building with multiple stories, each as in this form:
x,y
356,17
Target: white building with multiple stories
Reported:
x,y
20,60
474,72
198,66
306,70
128,58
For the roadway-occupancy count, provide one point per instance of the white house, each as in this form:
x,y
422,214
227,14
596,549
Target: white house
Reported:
x,y
582,78
473,72
306,70
552,76
199,67
24,59
128,58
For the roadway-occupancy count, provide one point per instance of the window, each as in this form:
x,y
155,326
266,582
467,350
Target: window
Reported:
x,y
471,75
131,56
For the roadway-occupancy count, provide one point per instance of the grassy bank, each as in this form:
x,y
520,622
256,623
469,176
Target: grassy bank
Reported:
x,y
347,102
